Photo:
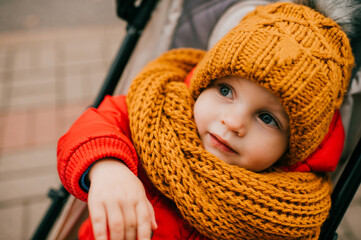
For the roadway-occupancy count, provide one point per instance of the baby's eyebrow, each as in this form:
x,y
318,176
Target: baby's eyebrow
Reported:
x,y
279,110
283,114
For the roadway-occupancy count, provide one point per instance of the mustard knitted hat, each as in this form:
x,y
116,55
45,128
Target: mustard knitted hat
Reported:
x,y
298,54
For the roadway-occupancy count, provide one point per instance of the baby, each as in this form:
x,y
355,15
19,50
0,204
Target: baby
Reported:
x,y
227,153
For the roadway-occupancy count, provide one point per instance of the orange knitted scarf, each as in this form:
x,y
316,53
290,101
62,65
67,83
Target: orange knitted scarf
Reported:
x,y
221,201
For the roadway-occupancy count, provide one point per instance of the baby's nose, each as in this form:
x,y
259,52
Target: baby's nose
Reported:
x,y
235,123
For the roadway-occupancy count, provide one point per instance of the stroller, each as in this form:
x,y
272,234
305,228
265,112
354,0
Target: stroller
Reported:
x,y
178,24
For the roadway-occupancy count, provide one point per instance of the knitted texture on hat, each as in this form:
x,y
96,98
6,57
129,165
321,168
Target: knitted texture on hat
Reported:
x,y
296,53
221,201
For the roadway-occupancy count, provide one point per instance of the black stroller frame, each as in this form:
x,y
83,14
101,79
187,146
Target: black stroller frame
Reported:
x,y
137,17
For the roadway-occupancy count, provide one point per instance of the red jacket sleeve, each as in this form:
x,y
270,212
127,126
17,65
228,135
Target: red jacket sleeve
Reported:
x,y
98,133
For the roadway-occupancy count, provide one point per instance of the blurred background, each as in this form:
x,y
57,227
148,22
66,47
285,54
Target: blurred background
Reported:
x,y
54,55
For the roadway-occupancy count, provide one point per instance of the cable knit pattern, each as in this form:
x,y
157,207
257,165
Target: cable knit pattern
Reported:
x,y
299,55
221,201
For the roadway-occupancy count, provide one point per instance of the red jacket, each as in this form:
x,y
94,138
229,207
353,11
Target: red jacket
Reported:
x,y
104,132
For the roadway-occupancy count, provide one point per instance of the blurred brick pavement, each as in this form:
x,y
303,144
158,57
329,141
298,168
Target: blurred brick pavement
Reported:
x,y
47,78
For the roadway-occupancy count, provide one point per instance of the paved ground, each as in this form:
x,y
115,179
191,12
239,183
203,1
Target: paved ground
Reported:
x,y
42,14
49,73
47,80
51,68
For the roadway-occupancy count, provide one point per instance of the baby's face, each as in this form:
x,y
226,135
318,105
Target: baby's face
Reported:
x,y
242,123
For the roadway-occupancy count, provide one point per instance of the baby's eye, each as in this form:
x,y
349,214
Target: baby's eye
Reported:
x,y
224,90
268,119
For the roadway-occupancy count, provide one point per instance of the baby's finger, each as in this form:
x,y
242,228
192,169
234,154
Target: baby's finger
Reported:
x,y
115,221
130,221
143,221
98,218
152,216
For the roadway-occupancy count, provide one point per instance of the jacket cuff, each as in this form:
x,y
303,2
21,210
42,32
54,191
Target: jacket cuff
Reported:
x,y
88,153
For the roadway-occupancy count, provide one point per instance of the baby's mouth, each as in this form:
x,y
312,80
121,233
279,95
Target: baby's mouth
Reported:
x,y
221,144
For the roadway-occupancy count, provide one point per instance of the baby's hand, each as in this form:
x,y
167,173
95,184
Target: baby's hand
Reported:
x,y
117,201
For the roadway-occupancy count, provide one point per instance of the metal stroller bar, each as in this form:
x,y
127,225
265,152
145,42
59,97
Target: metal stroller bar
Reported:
x,y
59,198
137,17
343,193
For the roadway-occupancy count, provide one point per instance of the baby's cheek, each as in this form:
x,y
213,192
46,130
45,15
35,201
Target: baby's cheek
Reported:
x,y
200,119
263,156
